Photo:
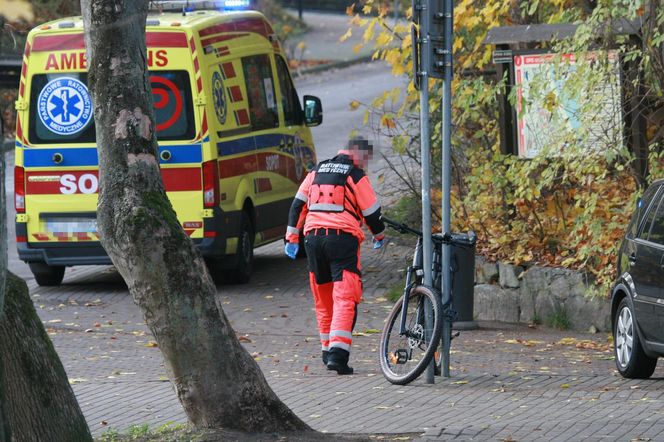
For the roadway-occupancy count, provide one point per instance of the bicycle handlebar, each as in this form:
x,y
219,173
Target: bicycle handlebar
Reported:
x,y
468,240
400,227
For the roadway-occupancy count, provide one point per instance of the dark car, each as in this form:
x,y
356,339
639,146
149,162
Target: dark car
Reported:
x,y
637,304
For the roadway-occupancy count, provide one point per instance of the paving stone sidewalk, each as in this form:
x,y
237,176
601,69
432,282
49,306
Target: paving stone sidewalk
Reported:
x,y
508,382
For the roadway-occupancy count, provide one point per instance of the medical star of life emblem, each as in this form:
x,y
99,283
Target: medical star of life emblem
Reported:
x,y
219,97
64,106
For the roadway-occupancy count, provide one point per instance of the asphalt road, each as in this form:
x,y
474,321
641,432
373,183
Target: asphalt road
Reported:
x,y
337,89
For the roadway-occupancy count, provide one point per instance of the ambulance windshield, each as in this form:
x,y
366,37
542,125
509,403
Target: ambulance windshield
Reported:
x,y
61,108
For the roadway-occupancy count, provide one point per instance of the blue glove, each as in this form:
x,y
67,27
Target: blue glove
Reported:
x,y
378,243
291,249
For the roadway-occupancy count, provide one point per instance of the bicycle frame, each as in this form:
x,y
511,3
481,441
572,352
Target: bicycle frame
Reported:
x,y
415,269
415,273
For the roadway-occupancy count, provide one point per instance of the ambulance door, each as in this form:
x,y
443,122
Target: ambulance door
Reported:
x,y
297,140
236,147
264,116
179,158
60,166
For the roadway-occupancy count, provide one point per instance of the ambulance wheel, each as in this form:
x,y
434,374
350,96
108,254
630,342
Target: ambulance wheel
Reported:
x,y
47,275
244,256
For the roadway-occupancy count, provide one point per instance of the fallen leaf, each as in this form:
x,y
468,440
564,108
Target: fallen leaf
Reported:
x,y
151,344
459,383
73,381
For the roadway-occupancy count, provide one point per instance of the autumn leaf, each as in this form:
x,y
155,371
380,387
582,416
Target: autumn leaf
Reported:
x,y
350,10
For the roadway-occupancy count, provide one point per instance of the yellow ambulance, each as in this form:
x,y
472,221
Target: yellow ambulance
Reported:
x,y
234,140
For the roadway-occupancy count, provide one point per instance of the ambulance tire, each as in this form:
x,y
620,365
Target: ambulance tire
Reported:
x,y
47,275
244,256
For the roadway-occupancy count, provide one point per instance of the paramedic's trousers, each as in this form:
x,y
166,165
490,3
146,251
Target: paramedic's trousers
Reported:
x,y
335,279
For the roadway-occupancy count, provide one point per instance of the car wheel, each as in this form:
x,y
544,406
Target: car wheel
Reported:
x,y
47,275
244,256
631,360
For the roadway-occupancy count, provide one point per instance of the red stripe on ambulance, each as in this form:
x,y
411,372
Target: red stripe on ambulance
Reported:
x,y
229,70
219,38
87,182
68,42
235,93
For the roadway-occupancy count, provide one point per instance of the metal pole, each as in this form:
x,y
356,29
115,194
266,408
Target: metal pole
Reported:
x,y
426,161
299,9
447,145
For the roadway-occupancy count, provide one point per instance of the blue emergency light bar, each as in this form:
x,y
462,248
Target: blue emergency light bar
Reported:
x,y
197,5
237,4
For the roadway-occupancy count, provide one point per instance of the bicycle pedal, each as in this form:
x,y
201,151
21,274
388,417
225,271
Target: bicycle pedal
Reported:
x,y
399,356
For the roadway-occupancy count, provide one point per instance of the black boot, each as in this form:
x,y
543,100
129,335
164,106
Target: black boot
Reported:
x,y
337,360
325,355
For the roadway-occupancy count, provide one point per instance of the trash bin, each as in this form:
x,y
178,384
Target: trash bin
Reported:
x,y
463,279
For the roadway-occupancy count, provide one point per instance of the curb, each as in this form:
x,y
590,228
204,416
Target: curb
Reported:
x,y
334,65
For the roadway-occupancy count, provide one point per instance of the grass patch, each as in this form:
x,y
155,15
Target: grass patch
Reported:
x,y
185,433
394,293
559,319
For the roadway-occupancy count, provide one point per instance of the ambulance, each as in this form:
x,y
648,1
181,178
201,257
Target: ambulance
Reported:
x,y
234,139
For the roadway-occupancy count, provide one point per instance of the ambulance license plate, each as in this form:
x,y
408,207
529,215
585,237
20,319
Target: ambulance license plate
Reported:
x,y
72,225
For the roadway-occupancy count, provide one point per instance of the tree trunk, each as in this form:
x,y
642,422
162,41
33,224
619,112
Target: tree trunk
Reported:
x,y
38,400
218,383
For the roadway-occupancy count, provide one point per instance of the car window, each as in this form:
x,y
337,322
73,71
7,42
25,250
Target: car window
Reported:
x,y
640,211
260,87
657,229
289,99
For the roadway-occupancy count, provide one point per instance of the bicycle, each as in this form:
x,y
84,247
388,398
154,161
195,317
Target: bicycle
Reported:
x,y
413,329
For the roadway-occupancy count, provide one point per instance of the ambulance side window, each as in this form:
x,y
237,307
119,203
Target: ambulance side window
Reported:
x,y
260,88
289,99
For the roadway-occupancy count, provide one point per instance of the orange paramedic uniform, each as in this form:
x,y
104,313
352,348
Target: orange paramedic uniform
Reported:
x,y
330,207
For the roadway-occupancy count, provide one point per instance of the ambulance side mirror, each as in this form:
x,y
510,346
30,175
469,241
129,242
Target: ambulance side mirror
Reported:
x,y
313,111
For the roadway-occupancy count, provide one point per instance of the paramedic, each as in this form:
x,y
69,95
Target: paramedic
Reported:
x,y
332,203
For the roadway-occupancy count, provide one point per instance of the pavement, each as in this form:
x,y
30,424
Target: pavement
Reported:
x,y
508,382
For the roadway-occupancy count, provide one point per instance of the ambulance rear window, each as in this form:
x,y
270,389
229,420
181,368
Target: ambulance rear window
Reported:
x,y
62,112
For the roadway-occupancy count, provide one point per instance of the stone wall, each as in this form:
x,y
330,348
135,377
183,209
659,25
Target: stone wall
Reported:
x,y
547,295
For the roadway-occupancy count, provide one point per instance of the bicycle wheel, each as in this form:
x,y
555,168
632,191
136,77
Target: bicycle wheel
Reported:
x,y
403,357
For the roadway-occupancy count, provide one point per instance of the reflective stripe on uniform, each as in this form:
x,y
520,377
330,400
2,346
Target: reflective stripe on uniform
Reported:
x,y
341,345
292,230
372,209
325,341
301,197
341,334
326,208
